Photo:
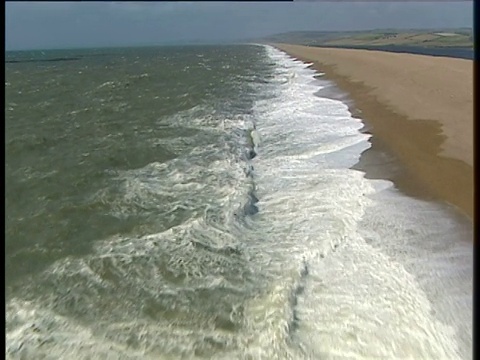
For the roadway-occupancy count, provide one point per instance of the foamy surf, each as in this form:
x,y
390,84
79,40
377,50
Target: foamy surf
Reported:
x,y
358,300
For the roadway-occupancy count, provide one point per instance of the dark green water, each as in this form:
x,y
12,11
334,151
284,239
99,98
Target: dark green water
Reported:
x,y
88,138
72,125
126,197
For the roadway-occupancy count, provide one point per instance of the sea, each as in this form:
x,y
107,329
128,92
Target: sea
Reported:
x,y
200,202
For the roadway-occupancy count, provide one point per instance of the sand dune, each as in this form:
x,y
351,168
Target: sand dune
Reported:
x,y
421,107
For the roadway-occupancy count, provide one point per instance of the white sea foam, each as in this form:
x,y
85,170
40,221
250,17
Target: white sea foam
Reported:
x,y
358,300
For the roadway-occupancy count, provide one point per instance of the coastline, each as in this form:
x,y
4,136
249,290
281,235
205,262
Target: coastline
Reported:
x,y
419,110
451,51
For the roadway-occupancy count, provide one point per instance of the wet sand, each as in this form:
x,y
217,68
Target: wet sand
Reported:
x,y
419,110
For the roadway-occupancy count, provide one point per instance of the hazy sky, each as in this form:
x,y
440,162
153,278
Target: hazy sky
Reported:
x,y
43,25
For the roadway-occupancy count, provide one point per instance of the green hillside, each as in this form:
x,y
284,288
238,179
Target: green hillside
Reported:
x,y
425,38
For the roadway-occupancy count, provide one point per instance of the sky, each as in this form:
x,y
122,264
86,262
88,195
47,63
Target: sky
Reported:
x,y
46,25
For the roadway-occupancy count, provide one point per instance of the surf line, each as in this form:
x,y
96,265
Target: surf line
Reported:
x,y
250,208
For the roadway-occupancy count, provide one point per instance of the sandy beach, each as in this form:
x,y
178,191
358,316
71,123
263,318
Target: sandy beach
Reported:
x,y
419,108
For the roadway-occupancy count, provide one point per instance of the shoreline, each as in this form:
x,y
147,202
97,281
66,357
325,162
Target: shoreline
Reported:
x,y
421,152
378,161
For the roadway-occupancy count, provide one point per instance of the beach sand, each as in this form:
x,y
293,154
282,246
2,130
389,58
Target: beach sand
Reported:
x,y
419,110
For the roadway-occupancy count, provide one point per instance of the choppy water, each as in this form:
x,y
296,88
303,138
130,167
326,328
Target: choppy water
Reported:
x,y
198,202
